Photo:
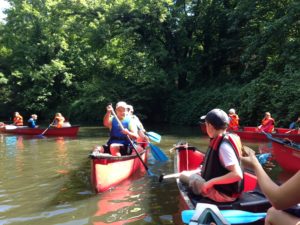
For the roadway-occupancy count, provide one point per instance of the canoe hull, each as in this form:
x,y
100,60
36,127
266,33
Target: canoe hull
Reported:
x,y
64,131
252,133
190,159
109,171
287,154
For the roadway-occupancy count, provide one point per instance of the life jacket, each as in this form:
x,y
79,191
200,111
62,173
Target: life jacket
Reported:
x,y
234,122
212,166
116,135
31,123
59,121
267,125
18,120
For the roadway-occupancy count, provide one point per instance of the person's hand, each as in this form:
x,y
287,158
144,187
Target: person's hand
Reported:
x,y
109,108
125,131
205,187
249,161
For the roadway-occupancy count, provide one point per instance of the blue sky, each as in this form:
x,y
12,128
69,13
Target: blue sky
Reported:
x,y
3,5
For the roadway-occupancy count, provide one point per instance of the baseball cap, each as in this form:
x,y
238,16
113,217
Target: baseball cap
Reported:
x,y
121,104
216,117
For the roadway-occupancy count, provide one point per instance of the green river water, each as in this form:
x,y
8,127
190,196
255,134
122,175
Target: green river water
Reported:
x,y
47,181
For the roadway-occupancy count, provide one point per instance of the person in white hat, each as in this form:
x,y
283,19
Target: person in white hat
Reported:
x,y
118,142
143,139
221,178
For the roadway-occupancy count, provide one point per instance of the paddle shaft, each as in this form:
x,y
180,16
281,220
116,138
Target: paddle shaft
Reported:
x,y
131,142
176,175
46,129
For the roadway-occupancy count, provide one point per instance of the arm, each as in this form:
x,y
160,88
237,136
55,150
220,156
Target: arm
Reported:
x,y
132,131
281,197
234,175
106,119
229,159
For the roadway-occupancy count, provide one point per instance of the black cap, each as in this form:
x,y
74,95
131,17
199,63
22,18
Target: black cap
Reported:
x,y
218,118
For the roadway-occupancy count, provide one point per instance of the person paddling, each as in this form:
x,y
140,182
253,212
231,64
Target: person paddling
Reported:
x,y
58,121
18,119
118,142
32,121
143,139
267,124
233,120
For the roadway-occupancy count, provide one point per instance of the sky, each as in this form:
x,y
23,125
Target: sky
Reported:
x,y
3,5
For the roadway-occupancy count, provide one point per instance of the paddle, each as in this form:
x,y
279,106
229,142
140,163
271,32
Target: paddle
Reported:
x,y
41,135
133,145
289,131
153,136
232,216
157,153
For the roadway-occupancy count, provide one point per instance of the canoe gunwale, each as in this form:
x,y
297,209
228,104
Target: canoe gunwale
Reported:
x,y
117,158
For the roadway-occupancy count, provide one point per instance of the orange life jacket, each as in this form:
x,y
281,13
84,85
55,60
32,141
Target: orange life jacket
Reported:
x,y
268,124
59,121
18,120
234,122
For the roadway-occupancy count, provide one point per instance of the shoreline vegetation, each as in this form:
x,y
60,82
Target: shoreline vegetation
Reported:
x,y
172,60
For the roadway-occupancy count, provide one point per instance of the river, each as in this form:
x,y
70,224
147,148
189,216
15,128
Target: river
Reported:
x,y
47,181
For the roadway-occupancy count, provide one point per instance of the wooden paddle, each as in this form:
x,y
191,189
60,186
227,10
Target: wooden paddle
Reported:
x,y
132,144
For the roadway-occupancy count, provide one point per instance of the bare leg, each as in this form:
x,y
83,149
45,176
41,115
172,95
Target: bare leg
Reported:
x,y
278,217
185,175
115,149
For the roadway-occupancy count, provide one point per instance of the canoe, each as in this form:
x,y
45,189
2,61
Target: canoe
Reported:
x,y
52,131
190,158
286,153
252,133
107,171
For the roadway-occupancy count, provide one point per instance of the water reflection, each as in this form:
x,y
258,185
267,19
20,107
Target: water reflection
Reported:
x,y
120,205
265,147
62,156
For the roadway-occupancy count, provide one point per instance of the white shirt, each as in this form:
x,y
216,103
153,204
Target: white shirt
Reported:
x,y
227,155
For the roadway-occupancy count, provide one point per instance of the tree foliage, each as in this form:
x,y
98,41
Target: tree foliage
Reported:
x,y
172,60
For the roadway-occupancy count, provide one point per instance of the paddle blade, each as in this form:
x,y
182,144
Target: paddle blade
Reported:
x,y
232,216
239,216
157,153
153,136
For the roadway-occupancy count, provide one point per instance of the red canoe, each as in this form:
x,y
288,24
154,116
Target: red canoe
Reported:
x,y
107,171
24,130
286,153
252,133
189,159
